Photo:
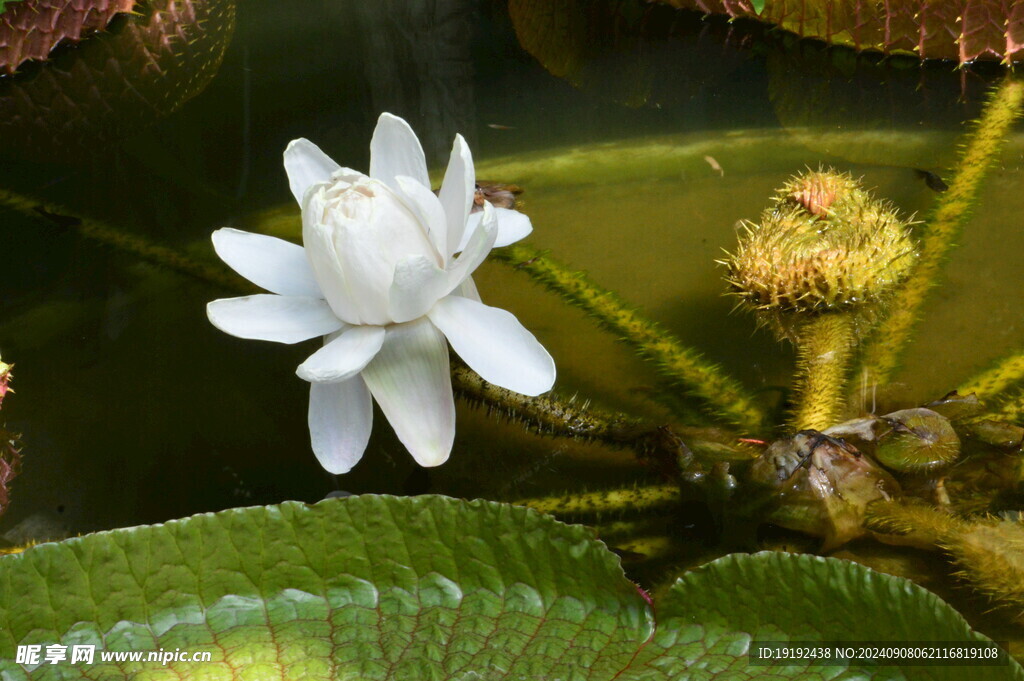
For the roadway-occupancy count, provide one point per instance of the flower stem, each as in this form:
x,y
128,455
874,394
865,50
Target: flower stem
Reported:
x,y
133,244
725,397
550,415
824,348
911,522
951,212
989,552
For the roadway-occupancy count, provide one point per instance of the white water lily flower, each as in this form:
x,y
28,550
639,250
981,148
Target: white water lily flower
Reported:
x,y
379,278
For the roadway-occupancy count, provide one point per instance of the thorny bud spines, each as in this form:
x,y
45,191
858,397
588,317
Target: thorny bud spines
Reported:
x,y
825,244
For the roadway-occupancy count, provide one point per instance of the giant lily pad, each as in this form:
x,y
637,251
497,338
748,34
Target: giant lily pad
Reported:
x,y
114,83
964,30
379,587
32,29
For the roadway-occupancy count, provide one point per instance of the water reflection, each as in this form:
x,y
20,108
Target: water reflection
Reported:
x,y
418,64
650,55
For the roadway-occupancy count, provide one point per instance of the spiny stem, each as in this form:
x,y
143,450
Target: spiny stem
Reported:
x,y
824,349
989,552
724,395
551,415
625,499
952,210
992,381
130,243
668,448
911,522
547,414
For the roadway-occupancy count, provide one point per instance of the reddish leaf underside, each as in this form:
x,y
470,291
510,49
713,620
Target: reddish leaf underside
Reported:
x,y
30,29
964,30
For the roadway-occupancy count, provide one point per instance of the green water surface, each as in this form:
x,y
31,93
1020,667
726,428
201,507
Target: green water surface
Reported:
x,y
134,409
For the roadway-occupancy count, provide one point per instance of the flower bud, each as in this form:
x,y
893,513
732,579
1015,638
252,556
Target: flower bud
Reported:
x,y
356,230
825,245
5,379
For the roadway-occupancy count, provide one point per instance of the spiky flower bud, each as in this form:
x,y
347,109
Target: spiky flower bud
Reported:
x,y
817,191
817,266
826,244
5,379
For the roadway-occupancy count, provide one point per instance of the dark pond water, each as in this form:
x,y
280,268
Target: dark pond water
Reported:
x,y
134,409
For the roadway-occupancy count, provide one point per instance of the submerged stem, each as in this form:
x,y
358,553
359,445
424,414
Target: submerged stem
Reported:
x,y
1010,407
121,240
549,415
993,381
951,212
824,348
989,552
683,365
603,501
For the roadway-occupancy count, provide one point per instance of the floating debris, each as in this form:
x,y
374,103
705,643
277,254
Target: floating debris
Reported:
x,y
822,486
825,244
714,165
933,181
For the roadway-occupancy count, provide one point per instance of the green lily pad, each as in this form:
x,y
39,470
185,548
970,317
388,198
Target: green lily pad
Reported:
x,y
378,587
713,615
918,440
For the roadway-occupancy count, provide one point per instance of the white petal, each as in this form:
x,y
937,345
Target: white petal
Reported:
x,y
366,246
512,226
467,289
343,357
271,263
480,244
340,419
411,382
282,319
418,284
324,261
426,206
395,150
457,192
306,165
495,345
